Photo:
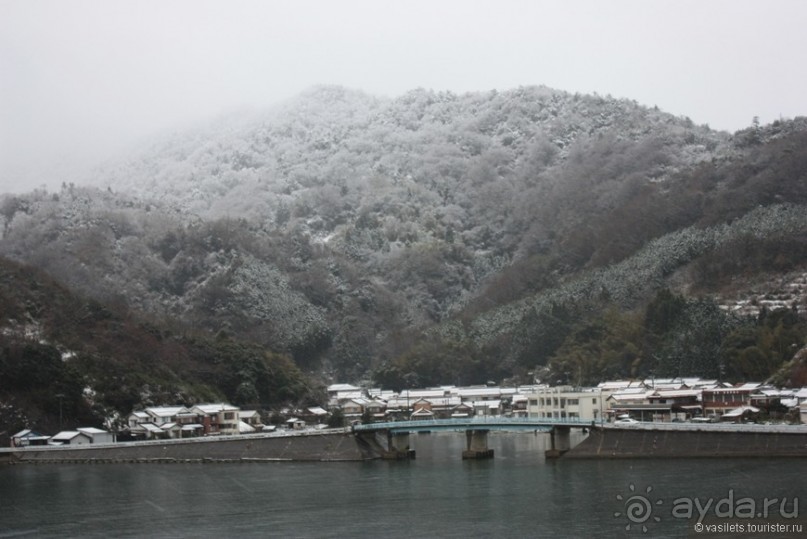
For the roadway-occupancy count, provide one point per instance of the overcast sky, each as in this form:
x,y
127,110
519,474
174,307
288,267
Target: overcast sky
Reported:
x,y
81,79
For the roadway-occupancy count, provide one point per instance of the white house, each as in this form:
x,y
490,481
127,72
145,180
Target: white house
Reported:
x,y
71,437
160,415
98,436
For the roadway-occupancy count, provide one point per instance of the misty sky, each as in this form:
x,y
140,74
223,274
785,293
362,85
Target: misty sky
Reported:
x,y
82,79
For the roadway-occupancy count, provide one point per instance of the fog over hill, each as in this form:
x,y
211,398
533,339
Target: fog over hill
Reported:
x,y
444,238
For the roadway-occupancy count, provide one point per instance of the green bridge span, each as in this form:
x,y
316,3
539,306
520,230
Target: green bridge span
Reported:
x,y
395,445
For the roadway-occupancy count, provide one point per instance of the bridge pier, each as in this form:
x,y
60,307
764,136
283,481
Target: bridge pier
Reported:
x,y
476,446
560,440
398,446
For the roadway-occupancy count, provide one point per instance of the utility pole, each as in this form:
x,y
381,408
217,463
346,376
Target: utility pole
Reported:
x,y
60,396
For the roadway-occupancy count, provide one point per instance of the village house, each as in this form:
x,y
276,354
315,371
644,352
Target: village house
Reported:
x,y
217,419
353,409
97,436
462,410
314,415
249,421
160,415
674,404
422,409
28,437
70,437
740,414
518,405
159,422
339,394
488,407
566,402
720,400
377,409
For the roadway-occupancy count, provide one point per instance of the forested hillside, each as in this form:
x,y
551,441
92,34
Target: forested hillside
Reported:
x,y
443,238
68,361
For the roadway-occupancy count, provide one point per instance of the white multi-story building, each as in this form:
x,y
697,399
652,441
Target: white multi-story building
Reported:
x,y
566,402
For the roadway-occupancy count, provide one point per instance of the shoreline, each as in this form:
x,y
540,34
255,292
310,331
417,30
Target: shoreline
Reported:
x,y
331,446
339,445
647,443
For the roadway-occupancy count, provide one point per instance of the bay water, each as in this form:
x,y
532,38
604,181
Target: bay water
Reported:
x,y
518,493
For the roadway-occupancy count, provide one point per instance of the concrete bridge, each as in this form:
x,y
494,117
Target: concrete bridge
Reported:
x,y
393,437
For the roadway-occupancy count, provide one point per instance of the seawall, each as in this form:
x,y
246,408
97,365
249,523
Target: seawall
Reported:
x,y
649,443
314,446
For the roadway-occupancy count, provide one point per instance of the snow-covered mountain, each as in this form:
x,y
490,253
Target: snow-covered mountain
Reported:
x,y
436,235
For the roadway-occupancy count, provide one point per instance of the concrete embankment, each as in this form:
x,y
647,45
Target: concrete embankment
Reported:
x,y
649,443
315,446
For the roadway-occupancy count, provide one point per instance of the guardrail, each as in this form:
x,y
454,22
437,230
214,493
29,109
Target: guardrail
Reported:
x,y
171,441
714,427
472,422
530,422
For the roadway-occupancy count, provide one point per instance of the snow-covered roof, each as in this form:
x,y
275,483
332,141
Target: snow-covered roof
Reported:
x,y
341,387
737,412
347,395
165,411
91,430
675,393
441,401
215,408
67,435
245,427
790,403
630,395
728,390
490,404
151,427
479,392
699,382
801,393
317,410
414,394
619,384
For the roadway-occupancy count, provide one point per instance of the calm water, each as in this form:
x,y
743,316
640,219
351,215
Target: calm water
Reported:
x,y
517,494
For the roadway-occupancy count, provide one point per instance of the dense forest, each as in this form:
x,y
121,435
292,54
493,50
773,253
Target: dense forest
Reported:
x,y
431,238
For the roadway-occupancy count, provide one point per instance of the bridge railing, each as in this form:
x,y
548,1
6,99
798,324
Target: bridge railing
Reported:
x,y
471,422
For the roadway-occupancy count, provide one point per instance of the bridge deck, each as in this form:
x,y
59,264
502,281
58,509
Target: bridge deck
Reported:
x,y
475,423
546,424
